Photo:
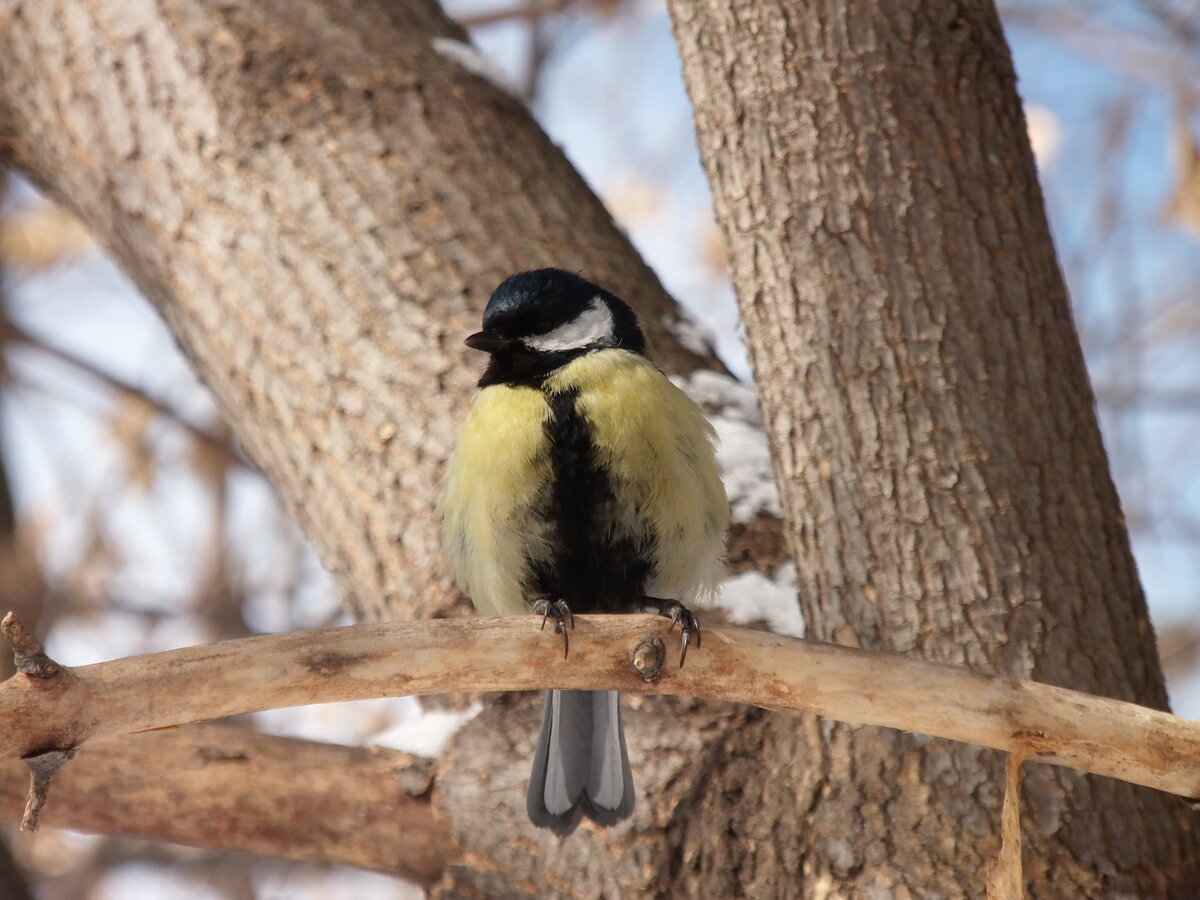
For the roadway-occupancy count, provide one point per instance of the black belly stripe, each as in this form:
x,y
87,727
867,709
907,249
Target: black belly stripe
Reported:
x,y
590,568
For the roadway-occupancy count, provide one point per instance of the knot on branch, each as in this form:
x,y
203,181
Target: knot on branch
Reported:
x,y
648,657
28,655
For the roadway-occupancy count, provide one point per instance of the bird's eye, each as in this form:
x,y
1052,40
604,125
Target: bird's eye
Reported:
x,y
543,324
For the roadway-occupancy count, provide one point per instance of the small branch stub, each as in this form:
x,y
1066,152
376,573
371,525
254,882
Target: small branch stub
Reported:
x,y
648,657
42,768
1005,880
28,655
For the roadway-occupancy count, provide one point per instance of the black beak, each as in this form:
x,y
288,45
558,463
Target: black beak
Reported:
x,y
489,342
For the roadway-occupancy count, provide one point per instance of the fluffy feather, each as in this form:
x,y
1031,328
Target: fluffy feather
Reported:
x,y
656,445
497,478
658,449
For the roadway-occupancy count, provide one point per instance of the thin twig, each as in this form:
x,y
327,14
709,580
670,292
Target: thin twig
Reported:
x,y
10,331
524,11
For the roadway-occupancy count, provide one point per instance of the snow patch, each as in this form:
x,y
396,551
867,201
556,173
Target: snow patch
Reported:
x,y
353,722
691,332
427,733
742,451
754,597
714,390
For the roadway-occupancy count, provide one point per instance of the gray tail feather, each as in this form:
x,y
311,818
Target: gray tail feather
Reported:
x,y
581,767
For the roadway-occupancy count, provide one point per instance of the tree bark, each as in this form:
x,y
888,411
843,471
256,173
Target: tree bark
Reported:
x,y
319,201
944,482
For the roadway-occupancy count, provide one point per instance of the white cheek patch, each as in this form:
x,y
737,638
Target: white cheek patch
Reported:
x,y
592,326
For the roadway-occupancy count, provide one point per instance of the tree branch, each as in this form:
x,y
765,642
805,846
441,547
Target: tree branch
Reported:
x,y
524,11
1042,722
10,331
229,788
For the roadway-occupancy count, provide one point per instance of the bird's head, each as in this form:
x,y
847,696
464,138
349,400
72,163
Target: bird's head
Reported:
x,y
537,321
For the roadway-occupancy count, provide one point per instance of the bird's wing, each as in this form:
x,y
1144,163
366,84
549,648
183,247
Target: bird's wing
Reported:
x,y
499,469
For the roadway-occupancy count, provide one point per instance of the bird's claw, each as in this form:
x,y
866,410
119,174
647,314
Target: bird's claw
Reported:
x,y
562,616
689,625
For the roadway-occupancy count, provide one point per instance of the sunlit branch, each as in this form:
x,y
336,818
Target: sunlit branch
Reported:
x,y
1038,721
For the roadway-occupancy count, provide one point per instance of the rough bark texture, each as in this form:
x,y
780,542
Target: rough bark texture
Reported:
x,y
319,203
934,438
235,789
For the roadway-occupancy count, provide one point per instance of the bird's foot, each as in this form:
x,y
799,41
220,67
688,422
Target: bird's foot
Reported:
x,y
689,625
562,616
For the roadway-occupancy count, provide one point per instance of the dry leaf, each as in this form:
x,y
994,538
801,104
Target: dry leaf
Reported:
x,y
41,236
635,200
712,251
129,427
1183,205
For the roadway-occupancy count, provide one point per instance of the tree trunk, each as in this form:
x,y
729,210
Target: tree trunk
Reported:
x,y
945,487
319,201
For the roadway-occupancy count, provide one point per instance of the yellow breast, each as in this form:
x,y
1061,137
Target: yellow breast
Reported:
x,y
498,473
658,448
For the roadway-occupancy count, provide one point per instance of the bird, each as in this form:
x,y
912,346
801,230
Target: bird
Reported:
x,y
583,481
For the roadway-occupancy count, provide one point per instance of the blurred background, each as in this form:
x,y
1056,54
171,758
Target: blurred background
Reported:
x,y
129,521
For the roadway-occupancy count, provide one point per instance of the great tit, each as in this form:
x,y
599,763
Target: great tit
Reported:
x,y
583,481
